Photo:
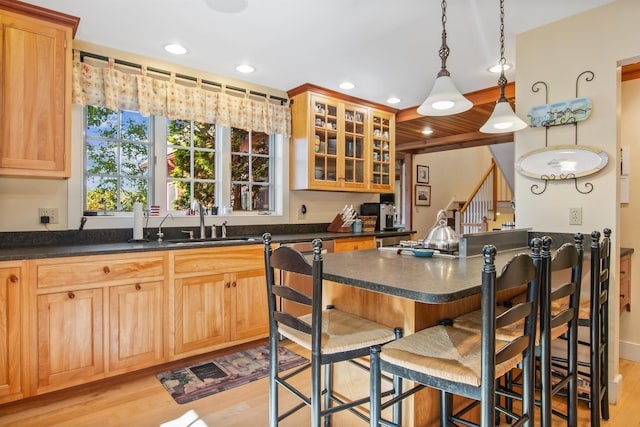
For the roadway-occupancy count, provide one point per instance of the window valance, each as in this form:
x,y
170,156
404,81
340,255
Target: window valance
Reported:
x,y
109,87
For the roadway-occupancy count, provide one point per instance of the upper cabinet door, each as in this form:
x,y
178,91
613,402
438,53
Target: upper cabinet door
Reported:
x,y
334,143
35,96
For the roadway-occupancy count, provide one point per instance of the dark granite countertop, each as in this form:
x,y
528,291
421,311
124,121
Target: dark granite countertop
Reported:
x,y
35,251
437,280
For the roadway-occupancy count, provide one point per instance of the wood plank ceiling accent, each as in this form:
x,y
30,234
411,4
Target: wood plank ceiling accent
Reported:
x,y
461,130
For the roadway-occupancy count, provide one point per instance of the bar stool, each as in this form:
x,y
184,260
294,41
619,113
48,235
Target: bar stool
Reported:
x,y
559,308
465,363
558,321
330,335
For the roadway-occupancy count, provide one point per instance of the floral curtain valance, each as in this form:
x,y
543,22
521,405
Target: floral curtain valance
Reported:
x,y
117,90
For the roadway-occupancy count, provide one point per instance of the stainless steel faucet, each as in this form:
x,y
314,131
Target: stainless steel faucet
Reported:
x,y
224,229
160,233
203,230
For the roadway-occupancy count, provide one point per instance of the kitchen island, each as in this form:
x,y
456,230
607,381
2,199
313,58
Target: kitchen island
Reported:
x,y
411,292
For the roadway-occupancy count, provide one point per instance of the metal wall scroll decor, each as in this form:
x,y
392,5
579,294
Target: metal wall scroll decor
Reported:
x,y
563,162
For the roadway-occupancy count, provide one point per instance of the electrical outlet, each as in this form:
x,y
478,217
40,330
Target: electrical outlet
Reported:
x,y
575,216
52,213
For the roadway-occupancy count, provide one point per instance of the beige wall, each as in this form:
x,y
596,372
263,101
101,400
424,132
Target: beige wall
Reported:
x,y
598,40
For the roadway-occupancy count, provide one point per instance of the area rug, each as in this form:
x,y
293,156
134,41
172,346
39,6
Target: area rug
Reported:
x,y
206,378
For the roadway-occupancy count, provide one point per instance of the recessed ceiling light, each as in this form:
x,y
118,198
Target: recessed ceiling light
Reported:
x,y
245,68
175,48
346,85
393,100
496,68
427,131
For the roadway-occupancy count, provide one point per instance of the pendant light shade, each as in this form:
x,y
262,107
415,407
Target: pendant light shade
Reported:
x,y
445,99
503,119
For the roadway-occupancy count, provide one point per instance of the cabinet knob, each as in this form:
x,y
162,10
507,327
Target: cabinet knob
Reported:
x,y
138,287
72,295
106,269
227,285
233,284
13,278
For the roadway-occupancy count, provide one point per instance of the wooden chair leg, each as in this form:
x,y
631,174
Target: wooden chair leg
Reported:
x,y
446,408
273,386
316,391
376,384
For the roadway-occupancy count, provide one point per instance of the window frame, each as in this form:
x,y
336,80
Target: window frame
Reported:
x,y
280,181
150,177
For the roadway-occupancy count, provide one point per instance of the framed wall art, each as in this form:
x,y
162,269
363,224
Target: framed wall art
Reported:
x,y
422,174
423,195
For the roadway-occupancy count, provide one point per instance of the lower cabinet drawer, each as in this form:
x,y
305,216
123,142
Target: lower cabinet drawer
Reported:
x,y
64,272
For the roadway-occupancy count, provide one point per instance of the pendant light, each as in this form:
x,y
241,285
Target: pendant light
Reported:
x,y
445,99
503,119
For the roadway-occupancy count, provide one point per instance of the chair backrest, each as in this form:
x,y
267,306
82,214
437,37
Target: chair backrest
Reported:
x,y
600,263
287,259
568,256
518,271
522,269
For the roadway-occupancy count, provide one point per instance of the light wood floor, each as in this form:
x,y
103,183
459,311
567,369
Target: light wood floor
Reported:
x,y
140,400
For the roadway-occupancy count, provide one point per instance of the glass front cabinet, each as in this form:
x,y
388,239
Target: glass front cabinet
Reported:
x,y
340,145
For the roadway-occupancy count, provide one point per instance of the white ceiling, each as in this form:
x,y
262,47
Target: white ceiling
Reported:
x,y
386,47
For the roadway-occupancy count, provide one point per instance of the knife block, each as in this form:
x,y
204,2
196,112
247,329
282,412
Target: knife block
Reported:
x,y
336,225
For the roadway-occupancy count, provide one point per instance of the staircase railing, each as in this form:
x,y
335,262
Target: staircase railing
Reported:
x,y
480,208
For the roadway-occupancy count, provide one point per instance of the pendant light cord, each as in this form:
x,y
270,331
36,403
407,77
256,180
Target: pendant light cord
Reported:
x,y
502,81
444,49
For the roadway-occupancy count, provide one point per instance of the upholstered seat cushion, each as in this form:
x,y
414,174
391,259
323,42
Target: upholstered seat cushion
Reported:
x,y
341,331
444,352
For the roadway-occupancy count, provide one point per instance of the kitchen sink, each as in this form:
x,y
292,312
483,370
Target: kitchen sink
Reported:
x,y
213,240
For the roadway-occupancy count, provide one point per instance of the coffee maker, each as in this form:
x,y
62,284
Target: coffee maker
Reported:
x,y
385,212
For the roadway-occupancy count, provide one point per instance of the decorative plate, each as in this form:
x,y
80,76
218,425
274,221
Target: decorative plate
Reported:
x,y
560,113
562,162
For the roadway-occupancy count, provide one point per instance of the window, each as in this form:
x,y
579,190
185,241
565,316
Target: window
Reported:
x,y
193,169
191,164
251,180
118,155
221,167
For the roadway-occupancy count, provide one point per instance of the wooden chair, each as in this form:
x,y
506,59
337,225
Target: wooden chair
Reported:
x,y
330,335
558,320
559,308
598,323
594,317
465,363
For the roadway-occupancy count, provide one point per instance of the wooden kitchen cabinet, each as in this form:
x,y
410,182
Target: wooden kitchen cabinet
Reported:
x,y
35,91
354,244
70,338
382,151
95,316
220,298
201,312
340,143
136,325
11,284
250,305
